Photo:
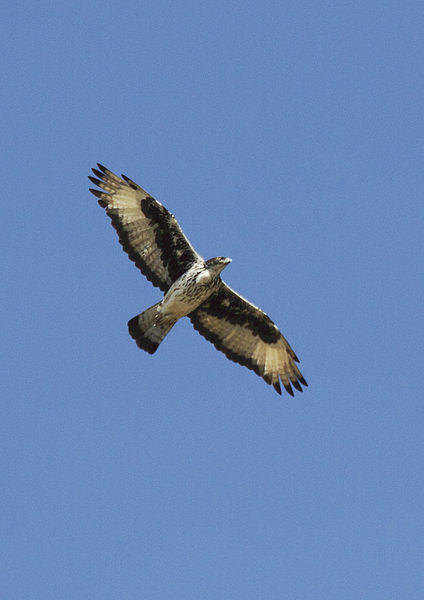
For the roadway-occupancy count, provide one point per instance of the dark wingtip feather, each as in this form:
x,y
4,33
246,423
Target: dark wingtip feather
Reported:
x,y
100,195
102,168
267,378
277,387
98,173
302,380
94,180
130,182
297,385
288,389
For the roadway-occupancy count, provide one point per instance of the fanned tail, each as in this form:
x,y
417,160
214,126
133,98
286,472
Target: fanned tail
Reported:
x,y
149,328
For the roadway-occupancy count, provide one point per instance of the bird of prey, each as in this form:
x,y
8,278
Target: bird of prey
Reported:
x,y
192,287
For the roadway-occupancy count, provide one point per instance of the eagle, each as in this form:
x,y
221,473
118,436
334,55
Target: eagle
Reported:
x,y
154,241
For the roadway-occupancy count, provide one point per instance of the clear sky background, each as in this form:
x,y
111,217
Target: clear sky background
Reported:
x,y
288,136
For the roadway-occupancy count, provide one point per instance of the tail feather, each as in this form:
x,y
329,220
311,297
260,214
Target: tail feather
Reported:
x,y
148,329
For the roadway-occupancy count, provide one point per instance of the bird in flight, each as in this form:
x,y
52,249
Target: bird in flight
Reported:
x,y
192,286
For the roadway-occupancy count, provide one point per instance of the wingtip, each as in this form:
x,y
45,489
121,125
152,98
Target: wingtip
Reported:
x,y
297,385
289,389
98,173
129,181
277,387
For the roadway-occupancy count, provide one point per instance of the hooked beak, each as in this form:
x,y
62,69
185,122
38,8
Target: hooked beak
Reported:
x,y
224,263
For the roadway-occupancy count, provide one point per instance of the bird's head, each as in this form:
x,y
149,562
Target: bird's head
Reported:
x,y
217,264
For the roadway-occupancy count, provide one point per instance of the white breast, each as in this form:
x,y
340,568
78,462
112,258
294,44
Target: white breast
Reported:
x,y
203,277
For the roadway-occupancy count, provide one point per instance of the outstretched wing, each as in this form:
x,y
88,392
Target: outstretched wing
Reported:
x,y
149,234
246,335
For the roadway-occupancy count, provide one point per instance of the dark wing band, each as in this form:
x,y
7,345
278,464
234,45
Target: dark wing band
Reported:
x,y
247,336
149,234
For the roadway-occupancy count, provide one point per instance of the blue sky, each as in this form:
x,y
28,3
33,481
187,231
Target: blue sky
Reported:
x,y
288,136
